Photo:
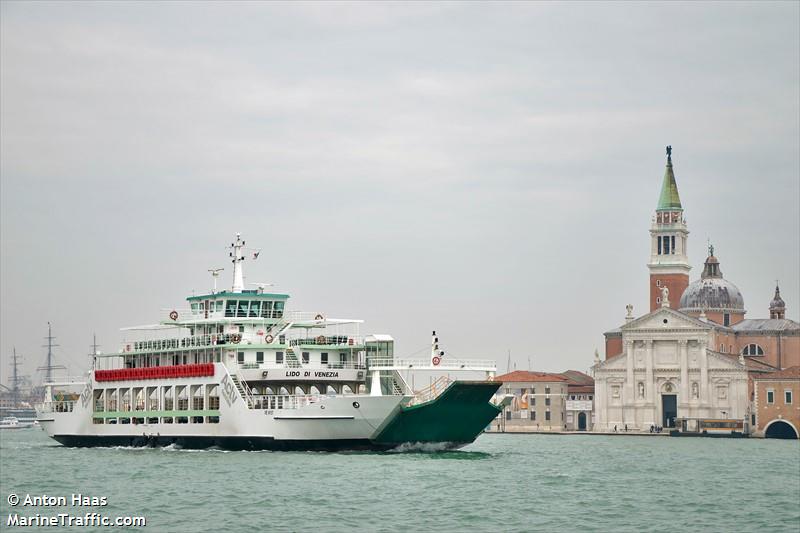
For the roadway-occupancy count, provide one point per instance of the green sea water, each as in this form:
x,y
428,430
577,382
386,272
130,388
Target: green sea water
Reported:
x,y
499,483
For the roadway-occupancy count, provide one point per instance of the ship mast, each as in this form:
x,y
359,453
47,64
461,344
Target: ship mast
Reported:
x,y
15,378
237,258
49,367
94,353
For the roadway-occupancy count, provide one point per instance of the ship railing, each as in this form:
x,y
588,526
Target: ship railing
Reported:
x,y
196,341
188,314
431,392
445,363
328,340
65,406
283,401
332,365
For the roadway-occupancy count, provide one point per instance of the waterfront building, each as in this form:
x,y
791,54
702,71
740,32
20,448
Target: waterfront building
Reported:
x,y
777,404
694,355
538,401
580,401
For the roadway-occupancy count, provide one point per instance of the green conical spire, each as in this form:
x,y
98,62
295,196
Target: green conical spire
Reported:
x,y
669,199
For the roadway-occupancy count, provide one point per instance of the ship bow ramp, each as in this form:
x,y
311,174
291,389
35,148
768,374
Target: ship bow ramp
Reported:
x,y
456,417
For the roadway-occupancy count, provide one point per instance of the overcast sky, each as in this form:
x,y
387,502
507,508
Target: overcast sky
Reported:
x,y
486,170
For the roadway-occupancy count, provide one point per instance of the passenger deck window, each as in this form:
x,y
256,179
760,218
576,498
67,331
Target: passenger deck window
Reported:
x,y
324,358
279,358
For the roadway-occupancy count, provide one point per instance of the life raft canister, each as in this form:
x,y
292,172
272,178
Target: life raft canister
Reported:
x,y
173,315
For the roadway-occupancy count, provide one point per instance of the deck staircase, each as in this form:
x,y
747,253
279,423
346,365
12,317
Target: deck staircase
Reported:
x,y
243,389
399,385
279,328
291,358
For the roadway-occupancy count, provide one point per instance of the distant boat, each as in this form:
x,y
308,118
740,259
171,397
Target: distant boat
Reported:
x,y
12,422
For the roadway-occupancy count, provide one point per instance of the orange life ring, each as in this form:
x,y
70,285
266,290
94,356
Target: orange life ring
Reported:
x,y
319,317
235,338
173,315
436,361
268,339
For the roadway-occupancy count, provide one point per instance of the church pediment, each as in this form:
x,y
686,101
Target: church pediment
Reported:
x,y
665,318
718,361
615,363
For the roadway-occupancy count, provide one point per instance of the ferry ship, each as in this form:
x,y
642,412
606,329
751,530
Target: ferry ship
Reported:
x,y
237,370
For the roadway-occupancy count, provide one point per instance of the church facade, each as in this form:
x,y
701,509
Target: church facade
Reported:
x,y
694,355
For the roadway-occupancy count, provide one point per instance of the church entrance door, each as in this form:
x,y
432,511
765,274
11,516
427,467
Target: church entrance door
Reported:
x,y
669,408
582,422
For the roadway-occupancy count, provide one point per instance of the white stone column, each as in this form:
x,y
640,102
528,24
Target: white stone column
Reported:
x,y
629,398
703,375
683,347
648,361
600,402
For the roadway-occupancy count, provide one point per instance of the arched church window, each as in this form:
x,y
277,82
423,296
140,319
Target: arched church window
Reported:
x,y
752,349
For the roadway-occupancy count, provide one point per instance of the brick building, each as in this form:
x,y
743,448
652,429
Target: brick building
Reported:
x,y
777,403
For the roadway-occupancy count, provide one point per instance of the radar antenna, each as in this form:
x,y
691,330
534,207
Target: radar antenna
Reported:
x,y
215,273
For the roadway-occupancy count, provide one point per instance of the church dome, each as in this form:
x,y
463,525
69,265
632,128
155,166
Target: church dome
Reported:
x,y
712,292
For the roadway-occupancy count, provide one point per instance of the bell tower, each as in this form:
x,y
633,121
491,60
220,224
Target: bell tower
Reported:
x,y
669,266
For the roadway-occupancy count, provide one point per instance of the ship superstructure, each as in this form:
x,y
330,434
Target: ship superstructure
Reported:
x,y
237,369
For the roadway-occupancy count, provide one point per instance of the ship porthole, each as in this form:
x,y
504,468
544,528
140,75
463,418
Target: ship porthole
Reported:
x,y
356,405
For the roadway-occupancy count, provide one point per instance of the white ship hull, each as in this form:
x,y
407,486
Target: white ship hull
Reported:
x,y
325,423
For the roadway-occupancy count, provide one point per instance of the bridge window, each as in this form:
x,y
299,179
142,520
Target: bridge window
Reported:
x,y
752,349
242,308
278,310
255,309
266,309
230,308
